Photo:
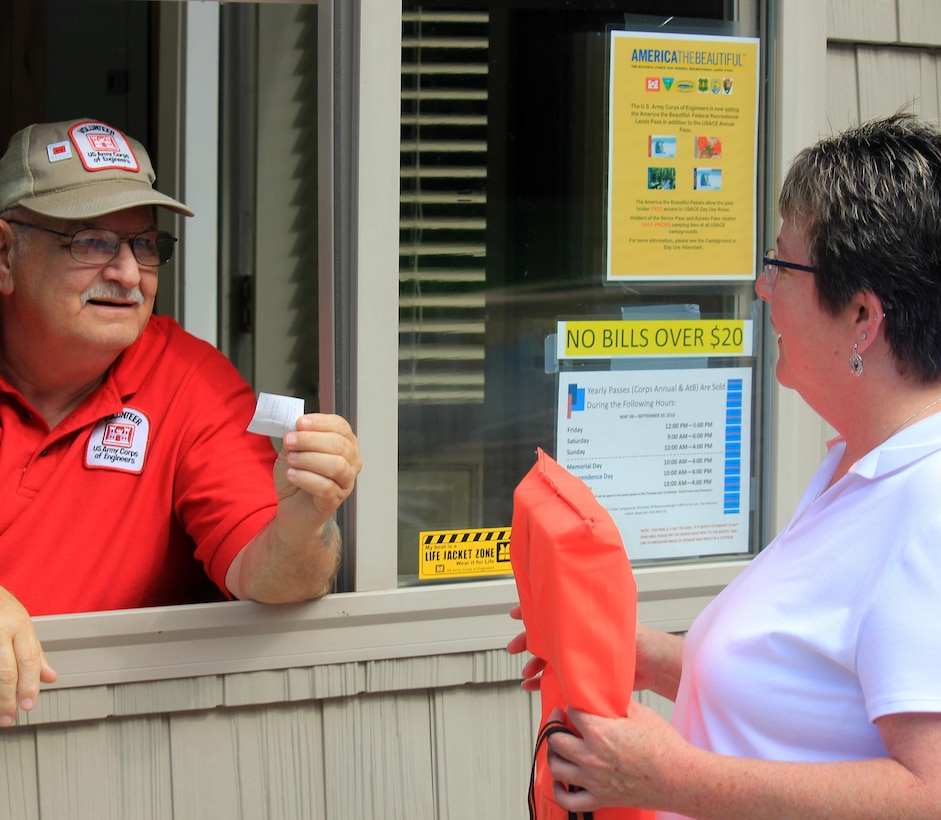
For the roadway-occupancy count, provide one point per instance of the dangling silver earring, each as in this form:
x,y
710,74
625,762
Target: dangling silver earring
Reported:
x,y
856,361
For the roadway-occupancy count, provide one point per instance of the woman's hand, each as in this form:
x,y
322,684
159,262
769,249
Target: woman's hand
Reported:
x,y
532,671
630,761
659,661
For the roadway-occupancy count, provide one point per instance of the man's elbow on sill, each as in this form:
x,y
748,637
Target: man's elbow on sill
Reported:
x,y
266,572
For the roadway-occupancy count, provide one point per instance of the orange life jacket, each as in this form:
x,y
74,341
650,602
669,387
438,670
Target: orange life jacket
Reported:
x,y
579,606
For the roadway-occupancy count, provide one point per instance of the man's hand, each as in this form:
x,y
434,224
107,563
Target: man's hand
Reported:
x,y
316,469
22,662
296,556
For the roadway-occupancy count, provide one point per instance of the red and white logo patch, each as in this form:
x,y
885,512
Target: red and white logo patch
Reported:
x,y
59,150
119,435
102,147
119,442
103,143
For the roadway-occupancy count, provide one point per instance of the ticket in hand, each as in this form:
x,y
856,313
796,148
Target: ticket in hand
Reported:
x,y
275,415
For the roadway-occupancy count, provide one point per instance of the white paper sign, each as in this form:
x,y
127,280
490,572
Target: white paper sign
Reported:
x,y
667,452
275,415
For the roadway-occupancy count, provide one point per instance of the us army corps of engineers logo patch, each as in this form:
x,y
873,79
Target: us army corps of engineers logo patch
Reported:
x,y
119,442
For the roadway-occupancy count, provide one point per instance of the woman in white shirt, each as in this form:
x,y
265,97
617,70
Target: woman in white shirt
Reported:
x,y
811,687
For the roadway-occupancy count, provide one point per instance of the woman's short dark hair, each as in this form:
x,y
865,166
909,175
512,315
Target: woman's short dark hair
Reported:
x,y
868,204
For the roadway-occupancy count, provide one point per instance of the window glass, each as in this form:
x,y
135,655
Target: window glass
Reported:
x,y
502,234
269,189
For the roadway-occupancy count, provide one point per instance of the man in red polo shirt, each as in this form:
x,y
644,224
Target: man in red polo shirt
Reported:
x,y
126,472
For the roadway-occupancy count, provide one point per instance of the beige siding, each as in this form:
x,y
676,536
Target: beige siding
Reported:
x,y
920,22
882,56
105,769
379,756
439,737
446,736
867,80
248,763
19,793
842,87
869,21
488,778
893,78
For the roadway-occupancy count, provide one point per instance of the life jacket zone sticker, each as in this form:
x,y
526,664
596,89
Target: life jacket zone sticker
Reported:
x,y
464,553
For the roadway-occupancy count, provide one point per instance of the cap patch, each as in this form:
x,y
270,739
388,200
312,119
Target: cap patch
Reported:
x,y
59,150
103,148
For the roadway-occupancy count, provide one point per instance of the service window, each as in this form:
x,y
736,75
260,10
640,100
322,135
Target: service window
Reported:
x,y
281,124
581,215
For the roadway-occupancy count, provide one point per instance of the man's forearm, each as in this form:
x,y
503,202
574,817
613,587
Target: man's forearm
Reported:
x,y
270,570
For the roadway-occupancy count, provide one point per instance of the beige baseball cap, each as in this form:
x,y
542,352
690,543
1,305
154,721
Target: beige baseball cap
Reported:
x,y
78,169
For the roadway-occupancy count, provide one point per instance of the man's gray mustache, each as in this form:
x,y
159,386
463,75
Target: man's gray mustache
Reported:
x,y
115,292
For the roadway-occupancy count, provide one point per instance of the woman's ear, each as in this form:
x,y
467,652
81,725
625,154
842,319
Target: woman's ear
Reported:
x,y
869,318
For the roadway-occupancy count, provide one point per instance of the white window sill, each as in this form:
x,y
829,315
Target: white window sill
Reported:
x,y
93,649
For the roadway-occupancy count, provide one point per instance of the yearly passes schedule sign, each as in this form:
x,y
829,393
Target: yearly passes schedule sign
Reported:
x,y
666,452
682,157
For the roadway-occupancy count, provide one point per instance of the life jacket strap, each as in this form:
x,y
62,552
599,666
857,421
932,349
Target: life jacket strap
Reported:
x,y
550,728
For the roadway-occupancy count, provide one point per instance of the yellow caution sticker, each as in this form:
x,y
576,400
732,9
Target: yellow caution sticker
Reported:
x,y
614,339
464,553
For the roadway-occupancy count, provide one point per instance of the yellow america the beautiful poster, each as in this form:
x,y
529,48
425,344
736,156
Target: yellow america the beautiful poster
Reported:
x,y
682,157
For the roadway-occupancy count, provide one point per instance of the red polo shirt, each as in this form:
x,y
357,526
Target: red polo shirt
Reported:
x,y
150,485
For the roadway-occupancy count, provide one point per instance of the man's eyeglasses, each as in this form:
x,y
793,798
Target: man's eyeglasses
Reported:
x,y
772,265
98,246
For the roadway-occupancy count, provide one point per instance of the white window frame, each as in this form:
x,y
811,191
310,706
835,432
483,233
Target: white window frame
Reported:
x,y
377,620
201,170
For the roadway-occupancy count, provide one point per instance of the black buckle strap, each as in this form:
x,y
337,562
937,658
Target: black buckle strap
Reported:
x,y
551,727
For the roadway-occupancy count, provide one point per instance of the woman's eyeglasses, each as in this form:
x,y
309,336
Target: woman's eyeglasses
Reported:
x,y
772,265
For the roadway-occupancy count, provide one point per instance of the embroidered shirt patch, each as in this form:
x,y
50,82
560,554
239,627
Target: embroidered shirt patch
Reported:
x,y
119,442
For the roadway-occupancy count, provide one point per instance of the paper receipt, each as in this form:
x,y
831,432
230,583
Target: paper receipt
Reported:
x,y
275,415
